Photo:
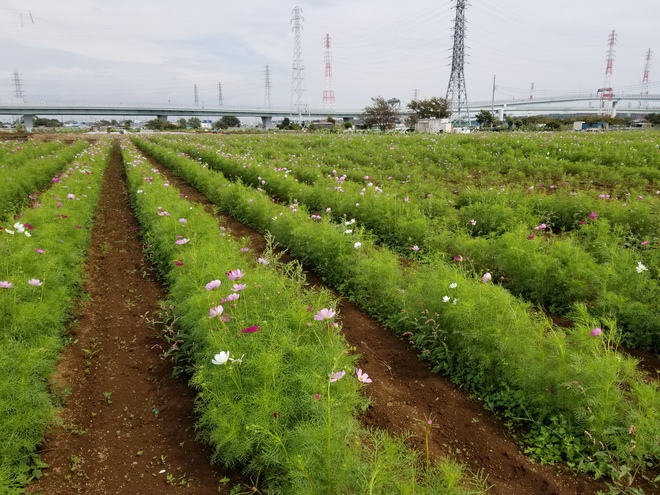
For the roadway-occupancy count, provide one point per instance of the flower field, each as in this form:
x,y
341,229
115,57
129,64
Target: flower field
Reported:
x,y
525,268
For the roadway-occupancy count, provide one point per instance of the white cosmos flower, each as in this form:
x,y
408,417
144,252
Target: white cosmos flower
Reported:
x,y
20,228
453,286
221,358
641,268
9,231
446,299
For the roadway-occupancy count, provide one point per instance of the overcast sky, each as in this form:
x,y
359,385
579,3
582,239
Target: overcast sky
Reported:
x,y
154,52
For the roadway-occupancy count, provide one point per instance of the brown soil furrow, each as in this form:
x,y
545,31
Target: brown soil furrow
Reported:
x,y
405,393
128,426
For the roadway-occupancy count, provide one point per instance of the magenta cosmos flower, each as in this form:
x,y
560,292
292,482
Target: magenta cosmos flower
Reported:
x,y
363,377
596,332
325,314
251,329
235,274
593,215
213,284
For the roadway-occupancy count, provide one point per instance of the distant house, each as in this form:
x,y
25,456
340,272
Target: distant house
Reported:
x,y
207,125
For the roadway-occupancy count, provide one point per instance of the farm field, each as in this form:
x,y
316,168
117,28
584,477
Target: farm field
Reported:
x,y
522,268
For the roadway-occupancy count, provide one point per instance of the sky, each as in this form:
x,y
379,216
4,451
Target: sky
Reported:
x,y
155,52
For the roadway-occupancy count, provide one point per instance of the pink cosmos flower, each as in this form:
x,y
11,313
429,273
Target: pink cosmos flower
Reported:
x,y
56,180
317,396
71,196
336,376
325,314
363,377
178,262
486,278
406,199
263,261
35,282
183,220
5,284
593,215
530,237
232,297
213,284
415,248
541,227
217,311
473,222
238,287
458,258
251,329
235,274
40,251
182,241
596,332
244,250
644,243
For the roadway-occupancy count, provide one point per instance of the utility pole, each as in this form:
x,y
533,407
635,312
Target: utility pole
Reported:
x,y
196,96
18,90
328,92
456,91
606,91
219,94
492,100
647,68
297,77
267,94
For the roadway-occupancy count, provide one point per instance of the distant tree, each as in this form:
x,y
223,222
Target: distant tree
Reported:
x,y
127,124
219,124
40,122
159,125
485,118
381,114
348,124
194,123
553,125
653,118
182,123
231,121
425,109
330,119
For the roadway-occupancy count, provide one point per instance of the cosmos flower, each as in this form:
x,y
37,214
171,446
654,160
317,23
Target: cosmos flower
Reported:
x,y
232,297
363,377
213,284
216,311
35,282
453,285
415,248
325,314
182,241
4,284
238,287
235,274
336,376
446,299
221,358
595,332
357,245
263,261
251,329
486,278
640,267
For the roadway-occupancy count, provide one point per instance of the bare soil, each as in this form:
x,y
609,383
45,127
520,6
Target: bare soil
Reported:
x,y
128,427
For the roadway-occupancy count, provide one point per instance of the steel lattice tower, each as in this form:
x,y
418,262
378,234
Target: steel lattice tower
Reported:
x,y
18,90
297,77
219,94
647,68
267,94
196,96
456,91
606,91
328,92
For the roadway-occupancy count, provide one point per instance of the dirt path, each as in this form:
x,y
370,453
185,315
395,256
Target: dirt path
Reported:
x,y
128,426
405,394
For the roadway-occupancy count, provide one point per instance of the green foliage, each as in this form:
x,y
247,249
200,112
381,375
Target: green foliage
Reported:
x,y
33,318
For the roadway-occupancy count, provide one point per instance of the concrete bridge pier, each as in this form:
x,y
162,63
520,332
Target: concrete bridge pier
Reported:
x,y
266,121
347,119
28,120
500,113
162,118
